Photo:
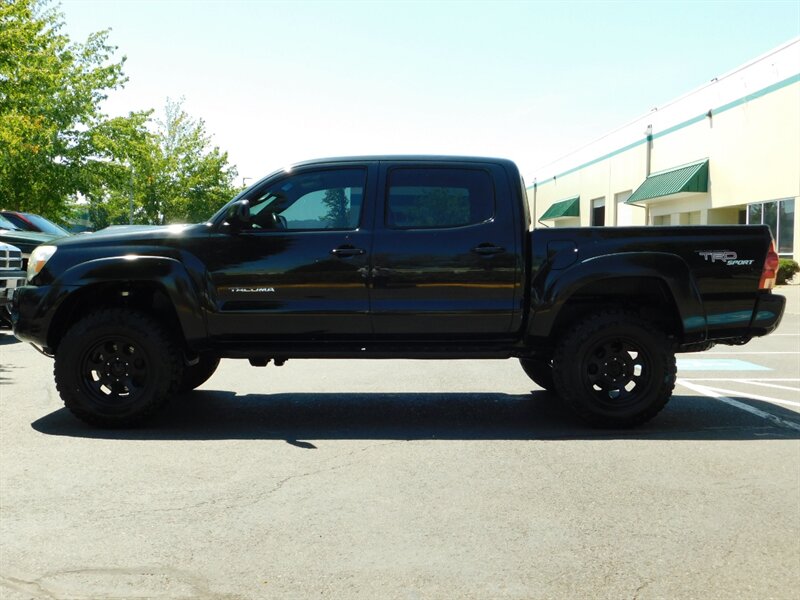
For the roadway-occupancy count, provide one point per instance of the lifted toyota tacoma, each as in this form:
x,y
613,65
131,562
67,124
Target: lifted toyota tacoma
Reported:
x,y
392,257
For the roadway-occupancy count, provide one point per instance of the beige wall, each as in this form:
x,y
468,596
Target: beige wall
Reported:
x,y
752,143
757,150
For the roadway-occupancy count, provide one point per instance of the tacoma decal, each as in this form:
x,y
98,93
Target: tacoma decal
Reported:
x,y
253,290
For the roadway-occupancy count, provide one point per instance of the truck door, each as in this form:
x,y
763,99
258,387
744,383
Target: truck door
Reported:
x,y
446,256
298,269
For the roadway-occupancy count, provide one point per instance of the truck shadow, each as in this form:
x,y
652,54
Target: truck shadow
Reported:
x,y
7,338
222,415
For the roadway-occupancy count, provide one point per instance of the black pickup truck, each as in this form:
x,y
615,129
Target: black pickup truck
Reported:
x,y
392,257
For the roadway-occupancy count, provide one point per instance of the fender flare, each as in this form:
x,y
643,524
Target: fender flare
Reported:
x,y
553,290
168,273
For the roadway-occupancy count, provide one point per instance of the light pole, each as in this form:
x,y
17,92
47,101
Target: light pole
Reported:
x,y
130,196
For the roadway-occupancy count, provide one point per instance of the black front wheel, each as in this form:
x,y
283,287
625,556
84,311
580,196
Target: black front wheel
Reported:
x,y
116,367
614,369
197,374
540,371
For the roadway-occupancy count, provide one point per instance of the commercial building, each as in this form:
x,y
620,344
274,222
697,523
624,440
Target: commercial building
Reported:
x,y
726,153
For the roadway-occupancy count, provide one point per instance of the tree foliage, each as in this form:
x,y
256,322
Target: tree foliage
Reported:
x,y
50,93
57,145
338,215
173,171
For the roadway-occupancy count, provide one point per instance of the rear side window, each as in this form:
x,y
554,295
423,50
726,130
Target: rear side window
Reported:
x,y
438,198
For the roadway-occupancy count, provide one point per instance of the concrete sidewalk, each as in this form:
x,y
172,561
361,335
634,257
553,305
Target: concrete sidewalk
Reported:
x,y
792,293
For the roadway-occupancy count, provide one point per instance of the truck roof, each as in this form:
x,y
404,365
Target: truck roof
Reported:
x,y
403,157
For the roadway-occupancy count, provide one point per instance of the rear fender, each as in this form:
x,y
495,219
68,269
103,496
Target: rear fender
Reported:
x,y
555,287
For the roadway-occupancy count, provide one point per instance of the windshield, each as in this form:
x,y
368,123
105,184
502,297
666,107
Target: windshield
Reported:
x,y
45,225
6,224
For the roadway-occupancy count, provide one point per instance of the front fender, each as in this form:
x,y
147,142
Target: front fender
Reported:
x,y
553,288
168,273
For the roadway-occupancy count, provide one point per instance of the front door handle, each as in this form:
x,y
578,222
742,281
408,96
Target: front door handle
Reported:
x,y
347,251
488,249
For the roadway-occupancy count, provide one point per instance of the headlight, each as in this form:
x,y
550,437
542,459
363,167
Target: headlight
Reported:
x,y
39,257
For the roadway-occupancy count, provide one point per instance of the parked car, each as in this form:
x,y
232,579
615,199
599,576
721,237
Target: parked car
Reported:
x,y
26,241
393,257
31,222
12,276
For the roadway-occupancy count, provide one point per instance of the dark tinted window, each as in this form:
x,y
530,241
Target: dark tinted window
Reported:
x,y
599,211
786,226
6,223
316,200
429,198
46,226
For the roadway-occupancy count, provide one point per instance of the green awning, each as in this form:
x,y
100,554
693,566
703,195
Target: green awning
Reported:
x,y
571,207
688,178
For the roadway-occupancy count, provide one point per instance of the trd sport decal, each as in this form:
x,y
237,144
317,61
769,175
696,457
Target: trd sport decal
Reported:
x,y
729,257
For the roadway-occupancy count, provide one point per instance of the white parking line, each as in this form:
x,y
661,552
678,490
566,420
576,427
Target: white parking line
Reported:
x,y
791,380
712,393
752,396
770,385
746,352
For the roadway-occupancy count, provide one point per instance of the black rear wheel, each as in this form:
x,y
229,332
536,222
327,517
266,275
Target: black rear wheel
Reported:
x,y
614,369
116,367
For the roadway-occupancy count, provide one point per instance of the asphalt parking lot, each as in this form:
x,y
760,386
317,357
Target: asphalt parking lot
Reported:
x,y
407,479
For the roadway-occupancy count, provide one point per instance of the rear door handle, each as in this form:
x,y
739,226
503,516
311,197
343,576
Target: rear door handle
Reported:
x,y
347,251
488,249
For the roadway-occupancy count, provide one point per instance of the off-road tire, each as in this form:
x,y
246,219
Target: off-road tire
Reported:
x,y
116,367
614,369
540,371
196,375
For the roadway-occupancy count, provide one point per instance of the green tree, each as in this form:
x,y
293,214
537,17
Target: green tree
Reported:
x,y
175,173
338,215
57,145
52,130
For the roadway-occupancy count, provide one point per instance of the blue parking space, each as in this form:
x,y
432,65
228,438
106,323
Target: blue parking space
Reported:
x,y
718,364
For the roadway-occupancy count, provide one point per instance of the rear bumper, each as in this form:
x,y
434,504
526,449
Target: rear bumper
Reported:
x,y
767,314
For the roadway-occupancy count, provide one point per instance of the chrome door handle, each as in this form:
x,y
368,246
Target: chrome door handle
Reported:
x,y
488,249
347,251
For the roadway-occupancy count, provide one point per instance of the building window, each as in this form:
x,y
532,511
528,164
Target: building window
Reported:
x,y
599,211
779,215
662,220
690,218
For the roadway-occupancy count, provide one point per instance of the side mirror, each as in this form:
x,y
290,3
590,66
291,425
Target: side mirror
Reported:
x,y
238,214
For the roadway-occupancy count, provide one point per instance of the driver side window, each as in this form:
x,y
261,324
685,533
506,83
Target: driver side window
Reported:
x,y
317,200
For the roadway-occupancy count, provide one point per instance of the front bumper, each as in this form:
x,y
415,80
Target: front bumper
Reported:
x,y
32,309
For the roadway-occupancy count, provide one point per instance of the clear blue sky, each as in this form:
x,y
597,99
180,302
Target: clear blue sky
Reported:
x,y
278,82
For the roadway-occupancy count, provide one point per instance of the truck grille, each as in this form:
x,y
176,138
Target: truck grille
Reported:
x,y
10,260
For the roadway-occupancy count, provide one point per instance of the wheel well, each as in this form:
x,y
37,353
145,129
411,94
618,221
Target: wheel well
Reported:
x,y
147,297
649,297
